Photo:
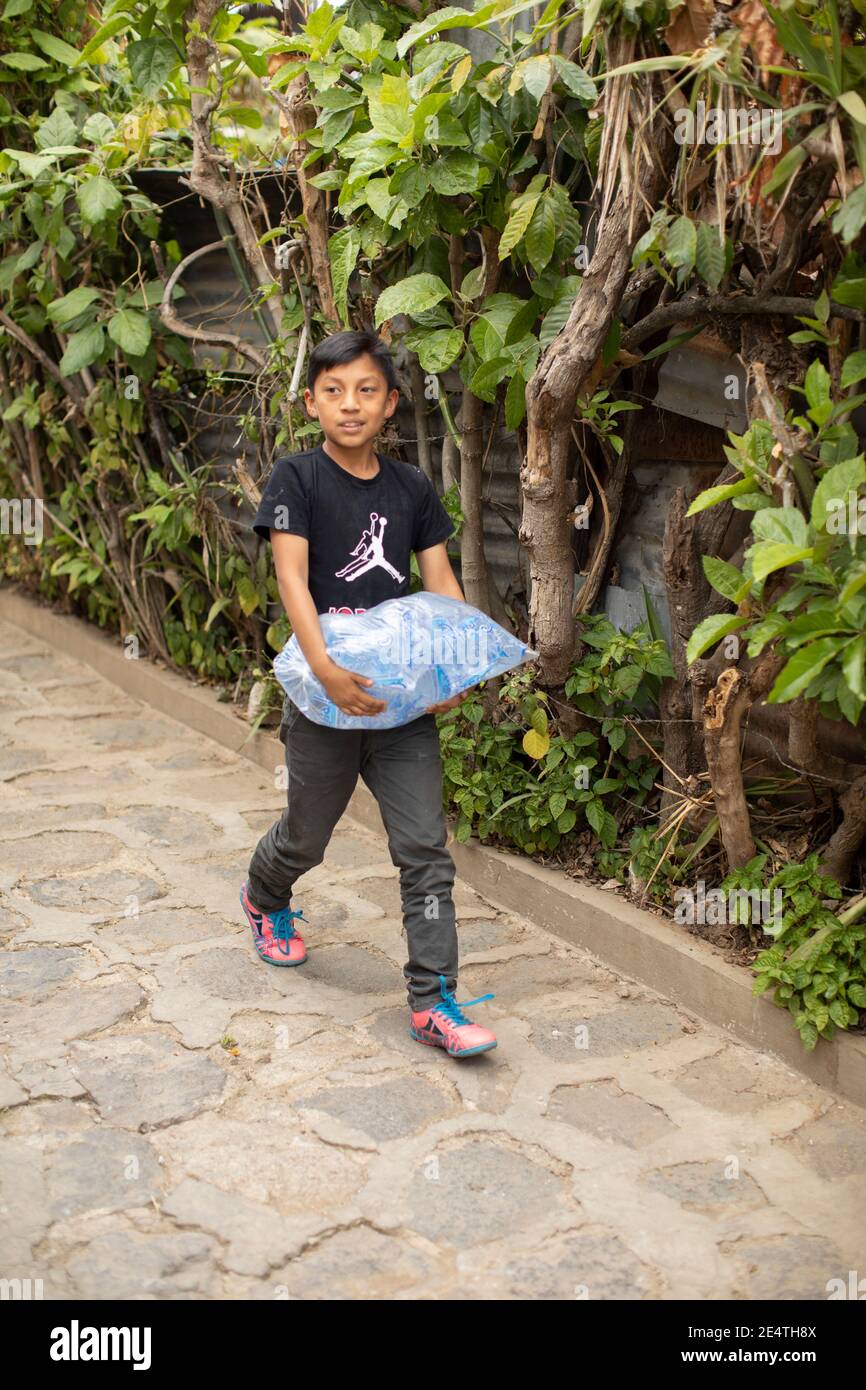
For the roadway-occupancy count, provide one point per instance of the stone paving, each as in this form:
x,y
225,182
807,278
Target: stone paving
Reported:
x,y
181,1121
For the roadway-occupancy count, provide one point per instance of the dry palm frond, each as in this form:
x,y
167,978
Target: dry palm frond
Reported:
x,y
642,153
614,157
721,186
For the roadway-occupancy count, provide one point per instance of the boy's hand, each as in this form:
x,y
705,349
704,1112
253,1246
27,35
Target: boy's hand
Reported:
x,y
344,690
444,705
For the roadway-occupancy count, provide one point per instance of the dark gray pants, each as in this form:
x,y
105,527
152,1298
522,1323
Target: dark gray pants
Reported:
x,y
403,769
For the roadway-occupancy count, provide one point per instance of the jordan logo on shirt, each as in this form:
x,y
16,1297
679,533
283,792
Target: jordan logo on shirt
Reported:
x,y
369,553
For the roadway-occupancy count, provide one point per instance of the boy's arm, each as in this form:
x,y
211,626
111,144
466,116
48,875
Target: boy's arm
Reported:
x,y
291,562
438,577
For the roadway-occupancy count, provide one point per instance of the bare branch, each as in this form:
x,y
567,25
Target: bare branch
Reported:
x,y
198,335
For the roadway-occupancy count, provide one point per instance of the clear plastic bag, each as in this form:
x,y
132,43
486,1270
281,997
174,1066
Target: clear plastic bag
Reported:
x,y
418,650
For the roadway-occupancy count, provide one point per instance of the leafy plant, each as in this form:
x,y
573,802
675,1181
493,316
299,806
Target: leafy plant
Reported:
x,y
802,581
526,781
817,964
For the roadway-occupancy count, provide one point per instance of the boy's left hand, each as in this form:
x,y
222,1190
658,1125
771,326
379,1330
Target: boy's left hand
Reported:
x,y
444,705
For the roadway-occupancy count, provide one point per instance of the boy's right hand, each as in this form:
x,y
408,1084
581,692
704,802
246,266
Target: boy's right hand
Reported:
x,y
344,690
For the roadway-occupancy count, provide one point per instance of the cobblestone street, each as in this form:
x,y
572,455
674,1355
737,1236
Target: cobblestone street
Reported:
x,y
181,1121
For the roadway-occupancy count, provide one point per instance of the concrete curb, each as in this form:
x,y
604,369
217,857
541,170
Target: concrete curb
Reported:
x,y
635,943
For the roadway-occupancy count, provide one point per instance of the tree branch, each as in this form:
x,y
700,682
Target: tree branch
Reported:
x,y
688,310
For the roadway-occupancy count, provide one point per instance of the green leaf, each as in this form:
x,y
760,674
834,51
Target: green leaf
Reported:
x,y
496,315
248,595
98,128
769,556
682,243
330,178
98,198
853,369
449,17
714,495
856,578
440,349
387,207
488,376
541,235
56,129
456,173
710,631
411,184
16,7
787,165
83,348
557,804
849,219
725,579
853,667
849,286
151,61
806,663
55,48
832,491
839,1013
365,42
535,74
709,255
62,311
337,99
575,79
515,400
369,156
30,164
390,116
410,296
786,524
131,331
343,248
539,721
558,314
520,215
102,35
216,608
817,384
23,62
854,105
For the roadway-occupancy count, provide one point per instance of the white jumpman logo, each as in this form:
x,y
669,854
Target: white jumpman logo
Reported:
x,y
369,552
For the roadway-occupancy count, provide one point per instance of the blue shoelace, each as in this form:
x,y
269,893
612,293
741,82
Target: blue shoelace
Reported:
x,y
282,929
451,1009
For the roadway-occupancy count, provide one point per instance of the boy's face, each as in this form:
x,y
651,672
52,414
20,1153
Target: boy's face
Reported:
x,y
351,402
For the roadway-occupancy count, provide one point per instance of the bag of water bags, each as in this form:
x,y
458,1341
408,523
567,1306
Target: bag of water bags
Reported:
x,y
418,651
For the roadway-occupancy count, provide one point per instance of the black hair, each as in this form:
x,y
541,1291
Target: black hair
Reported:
x,y
292,11
340,348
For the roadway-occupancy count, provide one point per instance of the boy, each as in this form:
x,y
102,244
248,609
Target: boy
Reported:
x,y
342,522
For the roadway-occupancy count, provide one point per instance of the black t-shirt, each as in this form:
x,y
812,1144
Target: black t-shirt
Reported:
x,y
361,531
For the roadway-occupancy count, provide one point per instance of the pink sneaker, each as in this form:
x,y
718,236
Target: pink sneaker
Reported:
x,y
274,937
444,1025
